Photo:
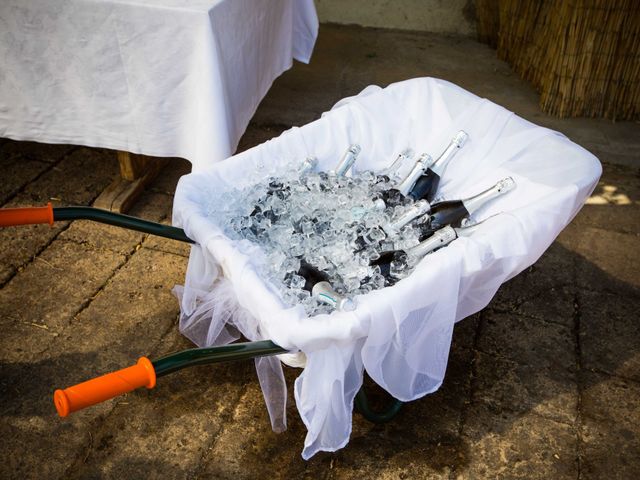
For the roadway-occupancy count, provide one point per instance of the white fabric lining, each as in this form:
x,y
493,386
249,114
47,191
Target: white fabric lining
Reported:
x,y
400,335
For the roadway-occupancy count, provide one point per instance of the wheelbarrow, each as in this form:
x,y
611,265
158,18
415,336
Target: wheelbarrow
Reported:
x,y
400,335
145,372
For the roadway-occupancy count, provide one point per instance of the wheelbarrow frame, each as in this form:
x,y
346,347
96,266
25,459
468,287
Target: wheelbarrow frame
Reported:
x,y
173,362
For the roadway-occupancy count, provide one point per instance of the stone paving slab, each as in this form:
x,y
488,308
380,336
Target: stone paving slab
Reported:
x,y
131,314
132,443
506,386
50,291
609,333
167,245
24,163
601,261
151,206
19,245
505,445
526,341
17,174
609,435
93,170
168,177
247,444
137,303
41,152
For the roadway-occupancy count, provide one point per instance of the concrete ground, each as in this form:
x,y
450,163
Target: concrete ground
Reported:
x,y
543,383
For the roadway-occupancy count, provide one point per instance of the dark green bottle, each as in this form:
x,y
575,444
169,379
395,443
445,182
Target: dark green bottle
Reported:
x,y
426,187
453,212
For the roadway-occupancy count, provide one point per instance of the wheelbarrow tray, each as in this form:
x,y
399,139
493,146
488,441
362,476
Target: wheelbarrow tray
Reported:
x,y
399,335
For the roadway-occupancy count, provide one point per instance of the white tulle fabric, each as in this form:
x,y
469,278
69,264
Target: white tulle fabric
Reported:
x,y
400,335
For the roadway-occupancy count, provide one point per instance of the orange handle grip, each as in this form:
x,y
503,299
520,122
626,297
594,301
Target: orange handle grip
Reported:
x,y
105,387
10,217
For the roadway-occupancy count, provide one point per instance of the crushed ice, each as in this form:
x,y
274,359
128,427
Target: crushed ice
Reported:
x,y
333,222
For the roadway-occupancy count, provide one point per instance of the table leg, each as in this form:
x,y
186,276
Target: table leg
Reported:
x,y
136,171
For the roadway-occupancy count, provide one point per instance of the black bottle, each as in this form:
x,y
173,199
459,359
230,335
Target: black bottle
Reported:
x,y
317,283
453,212
426,187
395,262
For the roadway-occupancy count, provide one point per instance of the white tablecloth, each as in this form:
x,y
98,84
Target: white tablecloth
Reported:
x,y
159,77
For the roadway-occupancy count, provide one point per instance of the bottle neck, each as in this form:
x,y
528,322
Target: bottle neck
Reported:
x,y
418,169
310,163
392,170
456,144
441,238
325,293
469,230
474,203
441,163
418,209
347,160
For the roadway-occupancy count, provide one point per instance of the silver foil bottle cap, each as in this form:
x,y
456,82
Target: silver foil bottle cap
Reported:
x,y
348,160
448,235
460,138
421,166
426,160
505,185
310,162
407,152
355,149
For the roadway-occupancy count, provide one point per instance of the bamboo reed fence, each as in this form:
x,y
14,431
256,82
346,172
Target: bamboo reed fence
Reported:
x,y
583,56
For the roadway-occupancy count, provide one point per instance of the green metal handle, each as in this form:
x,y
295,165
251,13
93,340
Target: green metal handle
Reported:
x,y
225,353
120,220
242,351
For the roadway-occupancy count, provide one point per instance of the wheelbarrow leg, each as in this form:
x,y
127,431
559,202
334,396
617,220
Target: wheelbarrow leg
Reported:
x,y
362,405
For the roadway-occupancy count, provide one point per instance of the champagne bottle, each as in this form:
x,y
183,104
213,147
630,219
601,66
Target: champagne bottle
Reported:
x,y
421,207
426,186
317,283
394,263
278,187
391,173
453,212
392,198
441,214
398,195
375,235
442,238
422,164
309,163
347,160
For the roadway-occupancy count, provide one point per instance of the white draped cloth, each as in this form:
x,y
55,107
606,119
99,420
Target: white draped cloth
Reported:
x,y
399,335
167,78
